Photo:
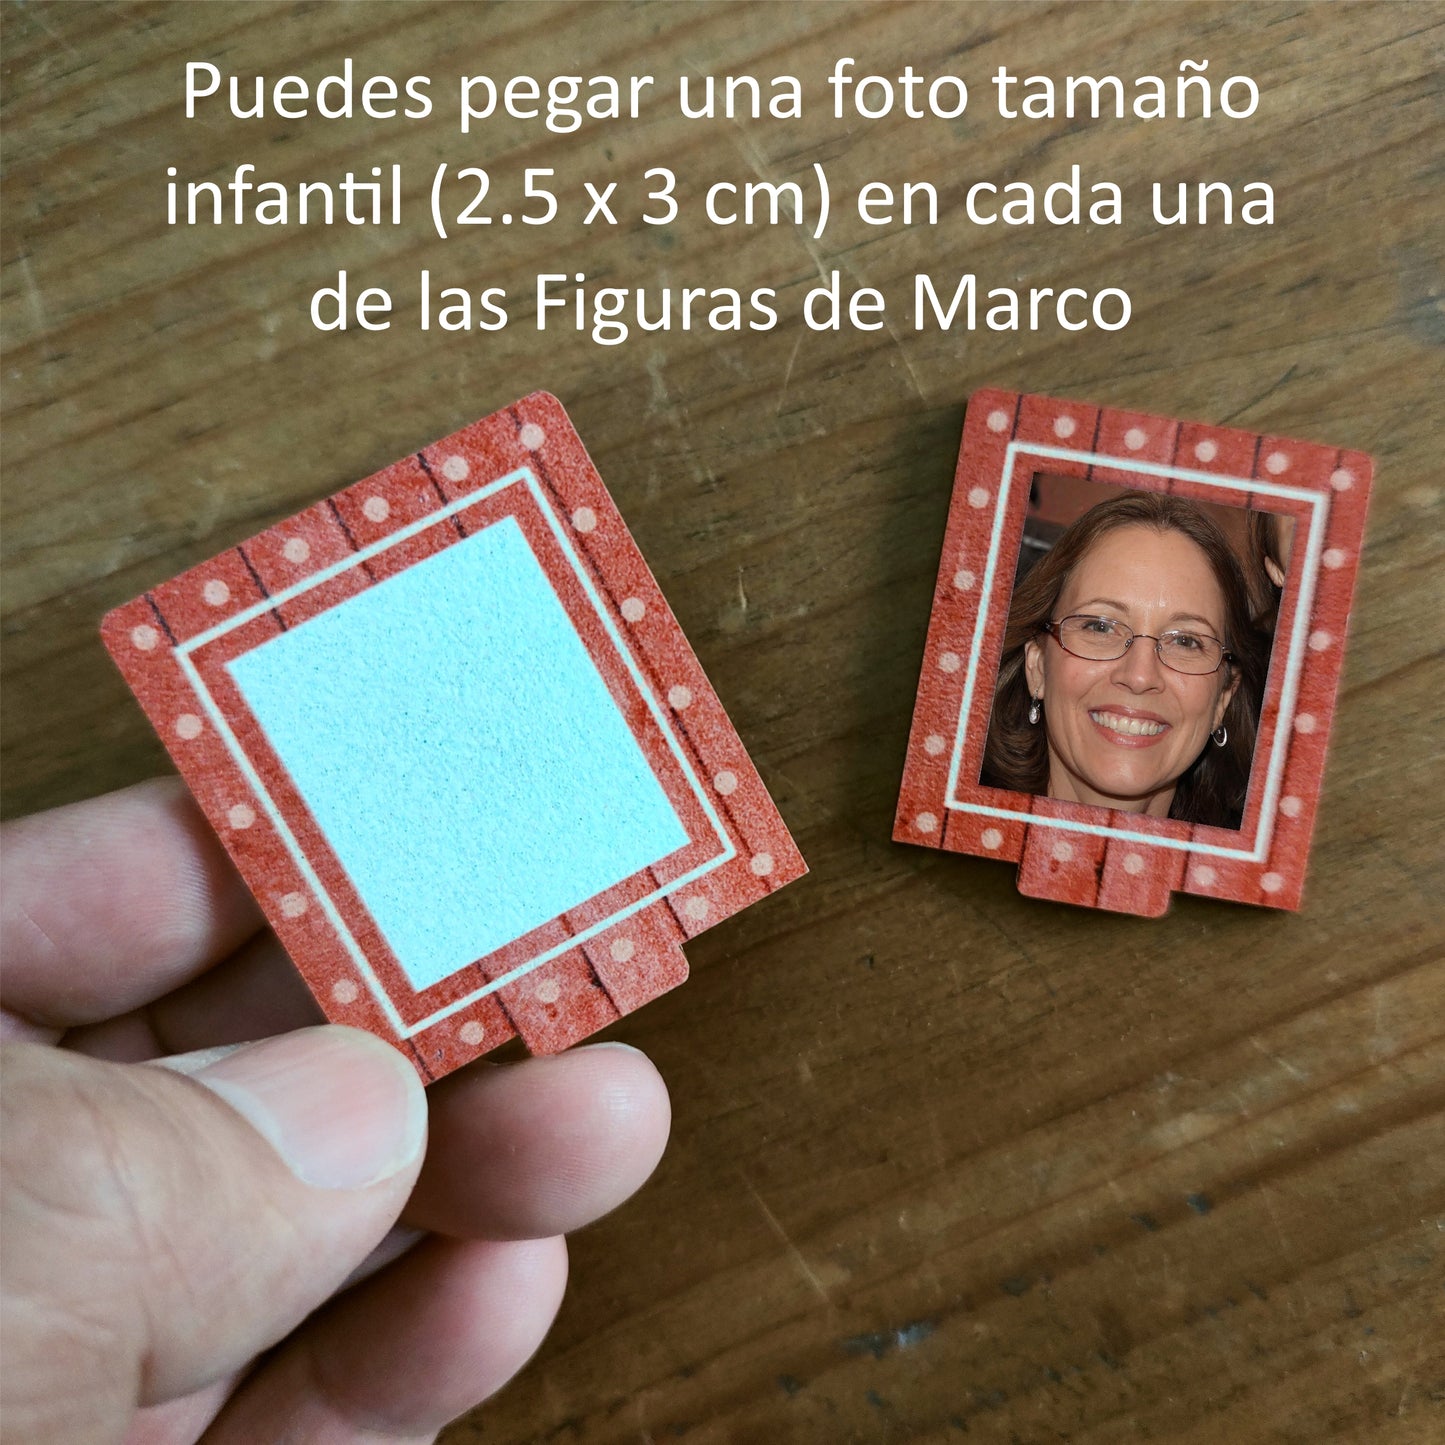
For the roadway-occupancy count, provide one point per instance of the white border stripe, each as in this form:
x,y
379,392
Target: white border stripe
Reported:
x,y
976,646
248,771
1294,665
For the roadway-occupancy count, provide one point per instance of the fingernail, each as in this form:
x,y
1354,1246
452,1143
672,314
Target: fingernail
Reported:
x,y
341,1108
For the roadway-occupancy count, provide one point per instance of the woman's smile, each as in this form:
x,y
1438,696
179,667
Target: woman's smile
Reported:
x,y
1130,729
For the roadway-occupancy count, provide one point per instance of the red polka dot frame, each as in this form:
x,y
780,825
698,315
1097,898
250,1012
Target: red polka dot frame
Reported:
x,y
560,979
1092,856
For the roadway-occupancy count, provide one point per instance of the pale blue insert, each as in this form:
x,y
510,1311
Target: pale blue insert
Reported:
x,y
460,751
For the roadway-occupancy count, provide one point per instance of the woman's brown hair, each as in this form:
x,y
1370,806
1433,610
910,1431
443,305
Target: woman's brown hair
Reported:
x,y
1016,755
1265,548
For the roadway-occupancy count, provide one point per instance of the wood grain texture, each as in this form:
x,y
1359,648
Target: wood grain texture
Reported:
x,y
947,1162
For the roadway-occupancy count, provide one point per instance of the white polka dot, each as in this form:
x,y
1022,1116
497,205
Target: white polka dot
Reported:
x,y
1133,864
1320,641
1204,875
532,436
1334,559
726,782
934,744
549,991
1063,851
1064,426
1342,479
584,519
297,549
1304,723
977,497
471,1033
377,509
1205,451
696,908
998,420
991,839
1135,438
1271,882
144,637
188,726
1276,462
241,816
634,609
964,580
216,593
762,864
926,822
622,949
293,905
455,469
344,991
950,662
679,697
1290,807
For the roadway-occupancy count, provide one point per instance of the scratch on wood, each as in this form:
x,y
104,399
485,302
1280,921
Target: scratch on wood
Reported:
x,y
1283,1063
797,1254
33,296
788,376
754,158
1255,401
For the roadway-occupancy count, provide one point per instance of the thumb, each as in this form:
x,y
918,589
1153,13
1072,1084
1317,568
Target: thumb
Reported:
x,y
161,1226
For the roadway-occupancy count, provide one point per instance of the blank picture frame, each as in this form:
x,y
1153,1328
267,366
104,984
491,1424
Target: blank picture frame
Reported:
x,y
455,740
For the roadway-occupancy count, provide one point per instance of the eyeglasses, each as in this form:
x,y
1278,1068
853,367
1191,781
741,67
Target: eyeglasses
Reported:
x,y
1101,639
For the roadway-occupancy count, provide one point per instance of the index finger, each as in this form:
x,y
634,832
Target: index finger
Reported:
x,y
113,902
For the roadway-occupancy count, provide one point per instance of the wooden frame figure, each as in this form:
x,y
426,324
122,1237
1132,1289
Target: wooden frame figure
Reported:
x,y
454,739
1090,855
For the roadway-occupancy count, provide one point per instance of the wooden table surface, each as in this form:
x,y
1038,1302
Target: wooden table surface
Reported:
x,y
946,1163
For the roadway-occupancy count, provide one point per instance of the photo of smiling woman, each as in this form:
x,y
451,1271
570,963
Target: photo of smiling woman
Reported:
x,y
1132,668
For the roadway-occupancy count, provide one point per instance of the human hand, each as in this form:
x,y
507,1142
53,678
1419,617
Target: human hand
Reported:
x,y
161,1227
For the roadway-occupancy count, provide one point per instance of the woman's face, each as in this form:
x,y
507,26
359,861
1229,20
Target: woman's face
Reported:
x,y
1122,733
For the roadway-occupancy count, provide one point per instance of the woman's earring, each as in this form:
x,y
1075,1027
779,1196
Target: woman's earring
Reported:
x,y
1220,735
1034,711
